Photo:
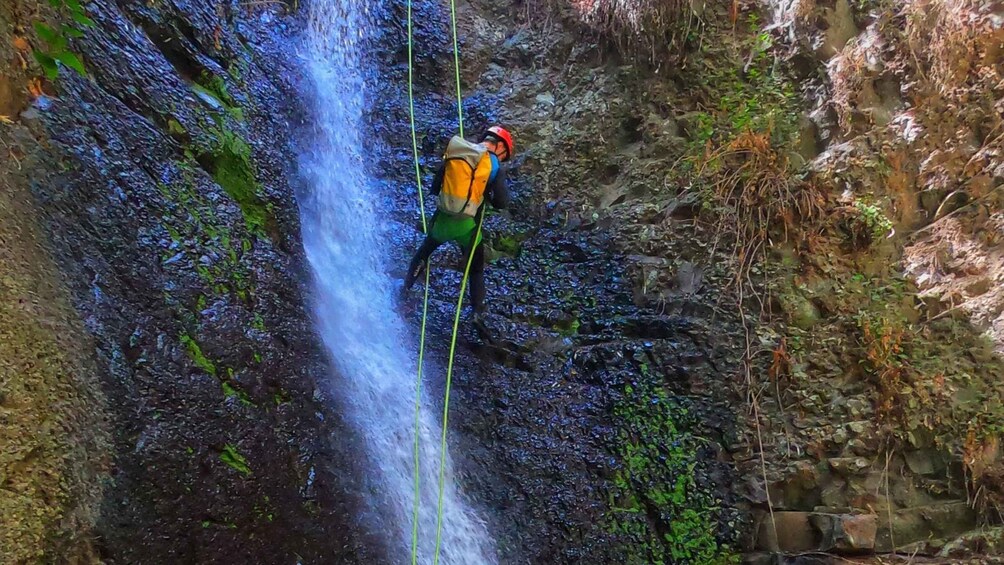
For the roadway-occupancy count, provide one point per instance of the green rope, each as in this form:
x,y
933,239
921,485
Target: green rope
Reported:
x,y
418,412
449,380
460,304
411,113
425,304
456,66
425,299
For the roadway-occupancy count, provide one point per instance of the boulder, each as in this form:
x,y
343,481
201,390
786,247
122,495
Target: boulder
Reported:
x,y
910,525
828,531
790,532
852,533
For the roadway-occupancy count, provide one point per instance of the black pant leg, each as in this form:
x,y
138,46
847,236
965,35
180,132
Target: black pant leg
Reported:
x,y
477,279
421,256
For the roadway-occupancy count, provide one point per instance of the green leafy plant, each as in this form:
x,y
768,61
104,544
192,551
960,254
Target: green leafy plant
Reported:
x,y
878,224
57,39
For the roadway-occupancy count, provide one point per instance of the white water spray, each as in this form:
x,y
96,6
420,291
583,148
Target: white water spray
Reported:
x,y
373,352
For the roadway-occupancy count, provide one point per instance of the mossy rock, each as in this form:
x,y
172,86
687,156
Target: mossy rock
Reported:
x,y
233,169
800,311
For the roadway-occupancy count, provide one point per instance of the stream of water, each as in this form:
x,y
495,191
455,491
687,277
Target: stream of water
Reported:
x,y
373,350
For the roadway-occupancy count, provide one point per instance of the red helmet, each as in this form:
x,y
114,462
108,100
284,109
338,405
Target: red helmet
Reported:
x,y
504,135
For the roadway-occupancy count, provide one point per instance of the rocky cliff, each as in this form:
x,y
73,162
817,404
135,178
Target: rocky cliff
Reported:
x,y
155,187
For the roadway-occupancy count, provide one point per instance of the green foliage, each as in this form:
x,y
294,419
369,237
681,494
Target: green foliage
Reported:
x,y
57,40
753,98
737,155
657,478
878,224
195,352
704,129
762,101
235,460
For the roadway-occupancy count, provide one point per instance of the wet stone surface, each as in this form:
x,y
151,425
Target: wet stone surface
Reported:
x,y
574,418
169,207
587,429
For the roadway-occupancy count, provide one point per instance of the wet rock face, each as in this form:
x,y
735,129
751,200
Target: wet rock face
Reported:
x,y
575,424
168,201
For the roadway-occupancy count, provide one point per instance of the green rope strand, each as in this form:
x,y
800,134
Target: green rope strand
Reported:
x,y
460,304
449,381
456,66
425,299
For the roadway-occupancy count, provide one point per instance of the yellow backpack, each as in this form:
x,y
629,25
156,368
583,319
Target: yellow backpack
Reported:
x,y
467,170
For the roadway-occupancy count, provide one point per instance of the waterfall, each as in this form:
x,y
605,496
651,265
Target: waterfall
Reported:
x,y
372,349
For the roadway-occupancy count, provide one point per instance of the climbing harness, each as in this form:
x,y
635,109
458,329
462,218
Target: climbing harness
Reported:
x,y
425,303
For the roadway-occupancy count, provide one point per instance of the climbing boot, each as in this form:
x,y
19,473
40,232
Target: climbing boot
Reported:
x,y
411,278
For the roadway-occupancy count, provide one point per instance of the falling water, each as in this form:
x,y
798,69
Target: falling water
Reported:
x,y
372,349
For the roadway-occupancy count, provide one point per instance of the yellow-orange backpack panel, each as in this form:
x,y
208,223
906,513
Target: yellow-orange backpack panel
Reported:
x,y
468,167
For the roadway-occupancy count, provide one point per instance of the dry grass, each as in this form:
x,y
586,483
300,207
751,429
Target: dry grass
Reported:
x,y
651,30
959,43
755,197
981,458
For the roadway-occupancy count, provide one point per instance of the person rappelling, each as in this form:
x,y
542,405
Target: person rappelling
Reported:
x,y
470,175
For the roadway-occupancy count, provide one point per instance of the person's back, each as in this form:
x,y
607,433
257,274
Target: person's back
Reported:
x,y
470,176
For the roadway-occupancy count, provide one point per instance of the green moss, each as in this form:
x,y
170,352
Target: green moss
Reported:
x,y
235,460
280,397
258,323
191,219
509,245
230,391
233,170
195,352
215,88
175,128
218,87
568,327
230,156
661,513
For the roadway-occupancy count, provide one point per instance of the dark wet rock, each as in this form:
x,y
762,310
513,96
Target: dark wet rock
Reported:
x,y
194,288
